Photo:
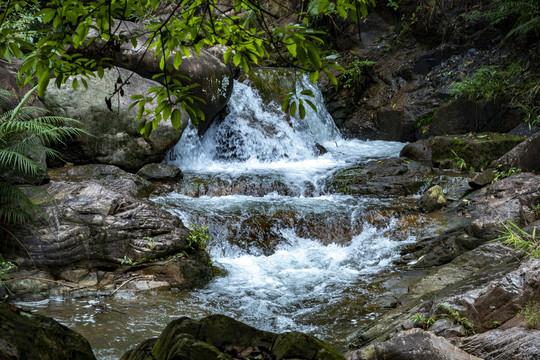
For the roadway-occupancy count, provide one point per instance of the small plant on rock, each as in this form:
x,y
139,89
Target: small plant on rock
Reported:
x,y
457,318
514,236
198,237
5,268
420,319
458,161
501,173
531,314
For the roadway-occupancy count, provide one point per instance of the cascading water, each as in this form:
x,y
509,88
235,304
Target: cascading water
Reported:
x,y
295,255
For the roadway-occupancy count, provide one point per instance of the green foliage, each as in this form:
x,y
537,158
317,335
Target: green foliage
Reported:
x,y
22,133
522,88
352,75
425,120
198,237
126,261
531,314
62,50
487,83
24,23
5,268
515,237
458,161
457,318
522,15
394,4
504,171
294,101
420,319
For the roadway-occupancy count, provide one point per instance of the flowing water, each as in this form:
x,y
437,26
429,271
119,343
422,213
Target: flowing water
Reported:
x,y
295,256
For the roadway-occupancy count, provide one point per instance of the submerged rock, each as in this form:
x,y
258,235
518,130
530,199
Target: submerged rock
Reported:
x,y
26,336
386,177
160,172
414,344
219,337
433,199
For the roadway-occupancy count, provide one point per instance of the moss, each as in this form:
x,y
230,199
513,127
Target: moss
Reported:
x,y
425,120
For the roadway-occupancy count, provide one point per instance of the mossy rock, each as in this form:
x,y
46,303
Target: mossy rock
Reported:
x,y
219,337
296,345
271,83
476,150
28,336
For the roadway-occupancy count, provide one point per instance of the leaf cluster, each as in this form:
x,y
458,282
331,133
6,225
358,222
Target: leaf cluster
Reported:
x,y
71,27
523,17
514,236
24,133
457,318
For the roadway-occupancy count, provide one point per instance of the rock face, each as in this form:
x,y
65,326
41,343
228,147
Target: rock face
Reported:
x,y
524,156
114,139
213,76
462,116
515,343
103,224
26,336
219,337
414,344
390,177
461,151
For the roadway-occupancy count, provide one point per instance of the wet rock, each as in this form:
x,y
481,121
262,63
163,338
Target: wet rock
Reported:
x,y
516,343
425,62
511,199
461,151
386,177
160,172
498,303
272,83
114,138
28,336
433,199
220,337
414,344
212,75
104,224
524,156
471,269
484,178
462,116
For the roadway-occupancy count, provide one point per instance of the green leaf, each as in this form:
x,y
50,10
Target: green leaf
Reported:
x,y
75,84
43,81
176,119
177,60
302,111
237,58
292,109
313,76
227,55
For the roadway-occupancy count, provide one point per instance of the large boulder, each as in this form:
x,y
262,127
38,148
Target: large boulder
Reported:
x,y
462,116
524,156
105,224
219,337
211,74
414,344
476,151
113,137
516,343
28,336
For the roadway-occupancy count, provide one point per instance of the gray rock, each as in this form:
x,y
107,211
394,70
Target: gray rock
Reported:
x,y
414,344
104,224
433,199
29,336
114,138
160,172
484,178
515,343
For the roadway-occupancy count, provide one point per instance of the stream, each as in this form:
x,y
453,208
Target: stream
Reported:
x,y
294,255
